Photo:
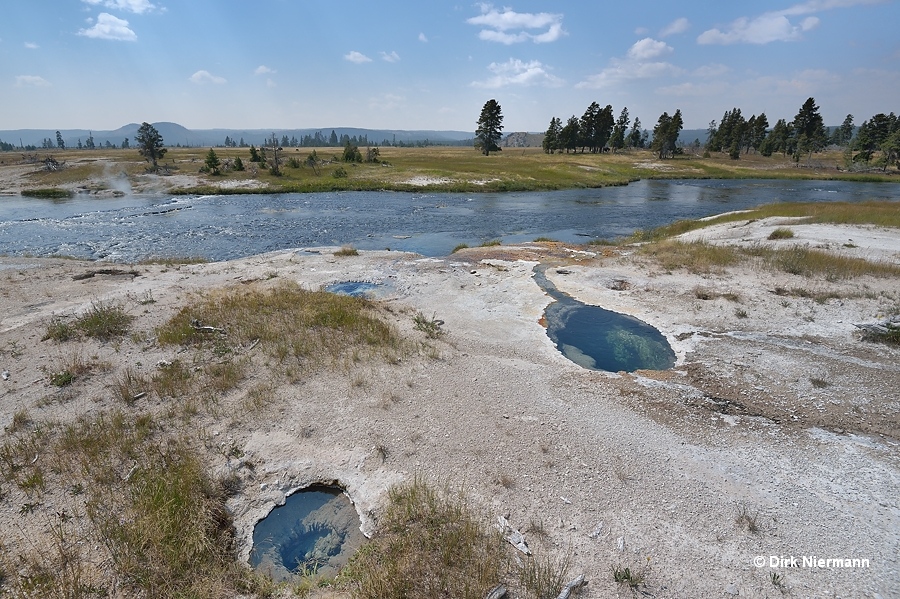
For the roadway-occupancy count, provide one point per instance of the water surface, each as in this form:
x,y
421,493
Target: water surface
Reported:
x,y
214,227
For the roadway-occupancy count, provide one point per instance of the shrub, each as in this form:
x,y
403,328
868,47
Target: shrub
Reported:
x,y
431,327
339,173
105,321
781,233
347,251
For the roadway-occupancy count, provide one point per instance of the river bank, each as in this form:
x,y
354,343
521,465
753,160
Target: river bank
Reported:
x,y
775,434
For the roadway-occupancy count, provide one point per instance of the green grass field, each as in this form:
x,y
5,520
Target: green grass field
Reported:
x,y
442,169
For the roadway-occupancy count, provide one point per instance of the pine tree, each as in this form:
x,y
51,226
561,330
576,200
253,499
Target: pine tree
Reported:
x,y
212,162
809,130
490,127
620,129
551,137
665,134
150,144
637,138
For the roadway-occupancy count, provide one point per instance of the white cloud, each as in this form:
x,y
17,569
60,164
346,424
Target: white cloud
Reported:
x,y
710,70
264,70
648,48
510,27
271,83
31,46
701,90
31,81
136,6
357,57
422,38
201,77
638,64
677,26
109,27
386,102
517,72
775,26
392,57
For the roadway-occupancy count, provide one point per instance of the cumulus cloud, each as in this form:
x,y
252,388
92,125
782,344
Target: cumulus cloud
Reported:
x,y
638,63
518,72
392,57
422,38
136,6
677,26
31,81
109,27
775,26
699,90
31,46
264,70
201,77
648,48
357,57
510,27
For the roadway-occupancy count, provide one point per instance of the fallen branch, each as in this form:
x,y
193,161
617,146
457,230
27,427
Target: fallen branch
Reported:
x,y
573,586
516,538
198,326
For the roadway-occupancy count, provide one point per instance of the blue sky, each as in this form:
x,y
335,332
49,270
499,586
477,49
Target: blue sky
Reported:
x,y
411,64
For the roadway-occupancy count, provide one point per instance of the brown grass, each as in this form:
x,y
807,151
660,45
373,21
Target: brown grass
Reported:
x,y
295,326
429,544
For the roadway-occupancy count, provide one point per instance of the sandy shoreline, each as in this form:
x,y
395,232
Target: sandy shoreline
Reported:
x,y
783,411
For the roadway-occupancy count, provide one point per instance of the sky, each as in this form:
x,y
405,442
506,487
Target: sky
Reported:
x,y
412,64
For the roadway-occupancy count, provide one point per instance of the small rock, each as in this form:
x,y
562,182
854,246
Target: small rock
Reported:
x,y
5,375
732,590
498,592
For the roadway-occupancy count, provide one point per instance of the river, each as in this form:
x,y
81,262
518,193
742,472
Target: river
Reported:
x,y
133,228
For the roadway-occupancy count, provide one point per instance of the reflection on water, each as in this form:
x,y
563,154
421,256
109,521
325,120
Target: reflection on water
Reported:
x,y
600,339
316,530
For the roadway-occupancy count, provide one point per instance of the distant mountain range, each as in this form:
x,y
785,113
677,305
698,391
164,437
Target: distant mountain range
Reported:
x,y
174,134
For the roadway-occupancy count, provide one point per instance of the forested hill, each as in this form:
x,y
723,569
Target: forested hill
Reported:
x,y
174,134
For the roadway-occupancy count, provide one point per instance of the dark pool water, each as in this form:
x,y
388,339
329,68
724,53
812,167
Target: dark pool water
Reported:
x,y
600,339
316,530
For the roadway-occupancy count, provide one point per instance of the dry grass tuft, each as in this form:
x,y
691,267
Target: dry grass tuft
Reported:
x,y
347,251
696,257
430,544
781,233
298,328
103,321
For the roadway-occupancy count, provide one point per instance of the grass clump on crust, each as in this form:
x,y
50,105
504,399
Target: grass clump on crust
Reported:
x,y
429,544
291,324
103,321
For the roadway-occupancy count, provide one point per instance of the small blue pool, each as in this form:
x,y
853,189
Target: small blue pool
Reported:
x,y
600,339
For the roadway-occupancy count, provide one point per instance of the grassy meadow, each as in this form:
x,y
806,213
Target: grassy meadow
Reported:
x,y
440,168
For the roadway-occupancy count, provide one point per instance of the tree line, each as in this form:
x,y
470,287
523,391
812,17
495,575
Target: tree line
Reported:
x,y
874,143
598,130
